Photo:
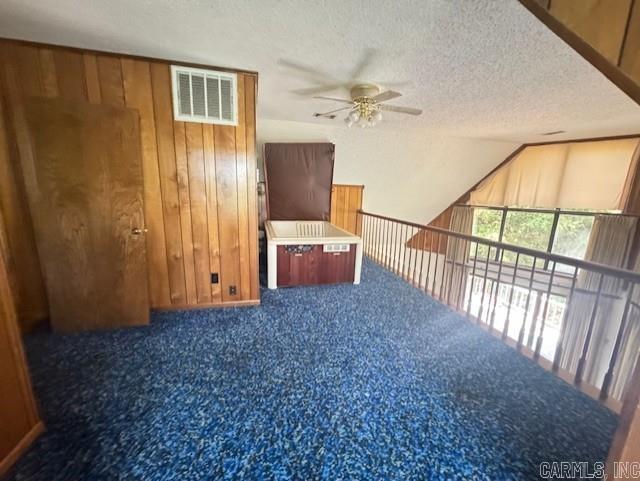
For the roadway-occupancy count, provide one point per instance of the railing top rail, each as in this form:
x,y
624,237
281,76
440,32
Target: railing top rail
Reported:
x,y
624,274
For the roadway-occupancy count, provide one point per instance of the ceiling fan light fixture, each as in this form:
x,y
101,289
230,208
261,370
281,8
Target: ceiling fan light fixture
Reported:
x,y
366,106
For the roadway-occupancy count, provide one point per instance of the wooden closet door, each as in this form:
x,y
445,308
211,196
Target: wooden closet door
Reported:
x,y
87,202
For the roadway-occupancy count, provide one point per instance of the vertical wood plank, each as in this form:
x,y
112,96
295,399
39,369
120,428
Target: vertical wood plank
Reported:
x,y
161,85
334,202
182,171
111,83
227,211
252,183
18,411
70,74
29,292
243,206
359,206
212,207
92,78
630,55
18,61
342,206
347,202
48,69
601,23
25,62
137,89
353,208
199,225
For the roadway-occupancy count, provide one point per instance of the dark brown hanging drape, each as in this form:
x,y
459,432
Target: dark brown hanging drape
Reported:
x,y
298,179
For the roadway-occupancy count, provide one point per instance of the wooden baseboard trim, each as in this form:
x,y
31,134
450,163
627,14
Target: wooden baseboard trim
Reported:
x,y
21,448
212,305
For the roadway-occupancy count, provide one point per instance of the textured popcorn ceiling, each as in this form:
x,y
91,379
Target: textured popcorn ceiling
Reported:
x,y
481,68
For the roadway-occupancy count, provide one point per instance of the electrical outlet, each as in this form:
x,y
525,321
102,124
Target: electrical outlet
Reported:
x,y
214,278
232,290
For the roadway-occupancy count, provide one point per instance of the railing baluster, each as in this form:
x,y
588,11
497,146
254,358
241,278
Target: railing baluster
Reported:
x,y
452,247
421,250
484,284
426,281
545,310
388,248
587,339
563,327
444,268
364,232
462,277
608,377
415,258
435,269
383,244
395,247
473,280
497,286
374,248
378,245
404,252
409,279
505,327
526,307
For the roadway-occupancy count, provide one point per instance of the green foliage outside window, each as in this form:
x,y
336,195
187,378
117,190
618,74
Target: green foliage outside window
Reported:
x,y
532,229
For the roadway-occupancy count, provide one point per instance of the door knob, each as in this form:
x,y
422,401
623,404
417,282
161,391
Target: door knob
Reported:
x,y
138,231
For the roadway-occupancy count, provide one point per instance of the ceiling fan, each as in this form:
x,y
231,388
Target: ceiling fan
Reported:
x,y
366,106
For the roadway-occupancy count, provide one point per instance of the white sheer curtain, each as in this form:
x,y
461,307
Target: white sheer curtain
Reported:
x,y
609,243
630,345
457,255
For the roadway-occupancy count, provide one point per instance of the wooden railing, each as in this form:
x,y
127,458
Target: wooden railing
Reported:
x,y
579,319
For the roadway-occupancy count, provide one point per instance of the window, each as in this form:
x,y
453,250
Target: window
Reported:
x,y
204,96
486,223
572,237
534,229
527,229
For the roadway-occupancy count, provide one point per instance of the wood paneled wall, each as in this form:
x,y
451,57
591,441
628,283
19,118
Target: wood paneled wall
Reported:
x,y
28,284
602,23
605,32
428,241
345,202
19,419
200,197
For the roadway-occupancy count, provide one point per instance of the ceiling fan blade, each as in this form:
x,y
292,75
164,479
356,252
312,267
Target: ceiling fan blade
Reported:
x,y
324,114
388,95
319,89
345,101
363,64
307,71
402,110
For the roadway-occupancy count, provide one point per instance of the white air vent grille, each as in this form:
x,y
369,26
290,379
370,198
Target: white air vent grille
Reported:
x,y
204,96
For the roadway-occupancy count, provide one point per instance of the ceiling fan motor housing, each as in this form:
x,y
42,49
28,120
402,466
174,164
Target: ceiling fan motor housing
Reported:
x,y
364,90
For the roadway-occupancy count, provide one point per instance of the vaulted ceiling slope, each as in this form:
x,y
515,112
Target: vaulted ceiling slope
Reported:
x,y
479,68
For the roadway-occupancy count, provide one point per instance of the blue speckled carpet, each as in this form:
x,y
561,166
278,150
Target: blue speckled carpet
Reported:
x,y
370,382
